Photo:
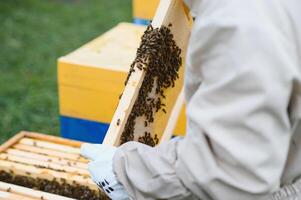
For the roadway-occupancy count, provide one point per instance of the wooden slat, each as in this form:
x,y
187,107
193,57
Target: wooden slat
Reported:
x,y
35,172
173,118
30,193
54,139
10,196
35,156
47,164
11,141
169,11
49,152
50,145
124,107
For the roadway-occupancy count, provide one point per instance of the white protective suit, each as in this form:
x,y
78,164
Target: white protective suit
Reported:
x,y
243,95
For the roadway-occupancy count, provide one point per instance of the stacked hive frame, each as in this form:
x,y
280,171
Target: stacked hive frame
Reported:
x,y
44,157
15,192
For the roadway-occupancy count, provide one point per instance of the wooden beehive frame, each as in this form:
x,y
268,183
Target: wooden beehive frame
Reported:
x,y
15,192
46,157
168,12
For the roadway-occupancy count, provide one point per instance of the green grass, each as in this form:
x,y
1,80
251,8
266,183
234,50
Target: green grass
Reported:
x,y
33,34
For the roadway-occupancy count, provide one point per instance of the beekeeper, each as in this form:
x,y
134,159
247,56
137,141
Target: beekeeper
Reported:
x,y
243,95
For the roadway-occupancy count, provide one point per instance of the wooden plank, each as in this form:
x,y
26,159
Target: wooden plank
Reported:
x,y
47,164
30,193
52,153
168,12
35,156
173,118
46,138
50,145
11,141
10,196
124,107
54,139
48,174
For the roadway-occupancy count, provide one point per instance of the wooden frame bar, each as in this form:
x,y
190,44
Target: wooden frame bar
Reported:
x,y
52,153
49,145
53,139
16,192
4,195
45,164
171,124
12,141
45,158
38,136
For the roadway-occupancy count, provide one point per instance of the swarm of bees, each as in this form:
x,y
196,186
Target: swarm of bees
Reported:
x,y
160,57
148,139
62,188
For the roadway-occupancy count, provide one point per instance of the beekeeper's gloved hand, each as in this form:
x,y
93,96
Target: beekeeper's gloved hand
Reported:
x,y
101,169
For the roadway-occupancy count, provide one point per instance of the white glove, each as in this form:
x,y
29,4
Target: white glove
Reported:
x,y
101,169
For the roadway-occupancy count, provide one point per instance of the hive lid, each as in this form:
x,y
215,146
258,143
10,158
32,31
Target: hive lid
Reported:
x,y
114,50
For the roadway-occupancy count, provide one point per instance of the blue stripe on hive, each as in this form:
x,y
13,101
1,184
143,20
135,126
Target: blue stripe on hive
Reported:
x,y
141,21
83,130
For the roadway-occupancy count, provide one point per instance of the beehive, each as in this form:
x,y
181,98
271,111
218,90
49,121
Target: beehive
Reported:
x,y
91,79
29,157
144,10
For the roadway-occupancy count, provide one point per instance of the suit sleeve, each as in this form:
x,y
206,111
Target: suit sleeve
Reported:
x,y
238,85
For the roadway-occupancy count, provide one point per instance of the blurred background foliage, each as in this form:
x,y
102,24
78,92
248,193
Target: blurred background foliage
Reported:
x,y
33,34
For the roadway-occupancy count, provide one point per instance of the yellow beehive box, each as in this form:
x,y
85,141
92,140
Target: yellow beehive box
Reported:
x,y
144,10
90,80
